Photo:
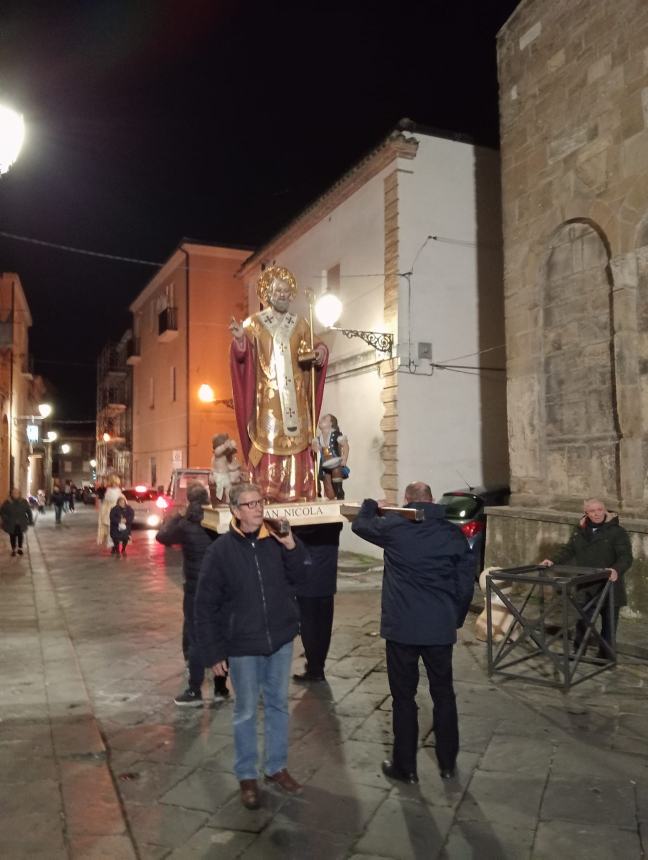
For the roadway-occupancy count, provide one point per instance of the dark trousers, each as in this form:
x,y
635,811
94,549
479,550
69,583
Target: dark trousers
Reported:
x,y
316,625
117,543
58,510
16,538
403,675
192,654
608,632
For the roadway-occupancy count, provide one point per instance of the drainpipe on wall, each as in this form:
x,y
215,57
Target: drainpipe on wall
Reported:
x,y
187,346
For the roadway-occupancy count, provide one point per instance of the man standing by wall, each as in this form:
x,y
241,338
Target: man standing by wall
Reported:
x,y
246,614
598,541
427,587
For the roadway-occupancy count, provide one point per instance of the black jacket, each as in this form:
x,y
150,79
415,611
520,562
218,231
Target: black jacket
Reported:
x,y
16,512
429,574
194,540
58,498
245,604
323,544
117,515
608,546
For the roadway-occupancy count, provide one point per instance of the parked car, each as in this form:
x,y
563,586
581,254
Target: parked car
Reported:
x,y
147,505
465,508
176,494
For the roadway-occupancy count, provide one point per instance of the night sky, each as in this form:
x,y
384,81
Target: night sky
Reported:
x,y
150,121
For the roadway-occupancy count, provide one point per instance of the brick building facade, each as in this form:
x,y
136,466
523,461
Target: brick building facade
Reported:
x,y
574,143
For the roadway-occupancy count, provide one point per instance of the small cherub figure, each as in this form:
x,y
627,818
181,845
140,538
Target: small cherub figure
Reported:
x,y
333,447
226,469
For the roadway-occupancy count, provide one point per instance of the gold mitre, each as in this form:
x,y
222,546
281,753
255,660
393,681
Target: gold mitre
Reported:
x,y
271,274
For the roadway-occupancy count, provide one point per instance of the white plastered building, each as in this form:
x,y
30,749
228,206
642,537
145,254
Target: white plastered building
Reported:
x,y
410,241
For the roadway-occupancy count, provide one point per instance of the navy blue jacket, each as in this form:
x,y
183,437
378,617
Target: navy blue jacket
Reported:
x,y
429,574
194,539
323,545
245,604
117,514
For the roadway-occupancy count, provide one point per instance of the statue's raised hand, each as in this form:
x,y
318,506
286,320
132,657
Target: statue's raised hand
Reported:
x,y
237,329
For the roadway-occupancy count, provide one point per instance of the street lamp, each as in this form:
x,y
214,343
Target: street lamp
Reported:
x,y
328,310
52,435
45,410
12,135
65,448
206,395
93,464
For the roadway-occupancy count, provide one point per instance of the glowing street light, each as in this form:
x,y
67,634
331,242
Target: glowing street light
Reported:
x,y
206,393
52,435
12,135
45,410
65,448
93,464
106,437
328,309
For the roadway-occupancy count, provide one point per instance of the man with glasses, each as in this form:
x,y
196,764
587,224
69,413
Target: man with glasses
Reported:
x,y
246,617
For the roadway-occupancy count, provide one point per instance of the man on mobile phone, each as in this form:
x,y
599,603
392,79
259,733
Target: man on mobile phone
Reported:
x,y
246,616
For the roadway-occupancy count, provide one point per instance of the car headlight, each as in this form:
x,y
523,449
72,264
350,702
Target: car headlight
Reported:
x,y
153,521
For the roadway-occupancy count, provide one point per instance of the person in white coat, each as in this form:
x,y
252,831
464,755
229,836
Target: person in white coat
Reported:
x,y
112,494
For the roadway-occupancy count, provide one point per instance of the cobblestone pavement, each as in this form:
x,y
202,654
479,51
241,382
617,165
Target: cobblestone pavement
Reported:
x,y
97,762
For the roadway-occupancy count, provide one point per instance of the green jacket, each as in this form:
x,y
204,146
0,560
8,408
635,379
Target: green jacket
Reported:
x,y
608,546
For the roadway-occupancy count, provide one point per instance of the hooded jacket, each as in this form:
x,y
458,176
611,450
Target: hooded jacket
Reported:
x,y
194,540
607,546
16,513
245,604
429,577
117,514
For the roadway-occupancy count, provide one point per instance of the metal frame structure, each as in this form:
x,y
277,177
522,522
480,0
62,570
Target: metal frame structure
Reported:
x,y
529,635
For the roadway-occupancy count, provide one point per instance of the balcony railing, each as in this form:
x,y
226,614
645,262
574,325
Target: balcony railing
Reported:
x,y
111,361
133,353
113,399
168,324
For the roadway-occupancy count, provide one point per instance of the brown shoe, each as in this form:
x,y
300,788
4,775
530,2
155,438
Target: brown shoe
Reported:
x,y
250,793
285,781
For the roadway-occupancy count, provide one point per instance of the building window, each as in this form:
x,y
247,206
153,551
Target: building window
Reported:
x,y
333,279
172,384
151,393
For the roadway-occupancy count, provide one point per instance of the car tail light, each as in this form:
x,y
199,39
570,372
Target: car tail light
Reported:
x,y
474,527
162,503
140,488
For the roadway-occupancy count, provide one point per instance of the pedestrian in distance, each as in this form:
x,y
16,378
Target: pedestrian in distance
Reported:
x,y
108,502
58,500
598,541
121,523
186,530
70,490
16,516
247,617
428,584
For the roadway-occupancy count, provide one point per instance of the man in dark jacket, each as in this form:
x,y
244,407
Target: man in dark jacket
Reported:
x,y
316,597
427,587
598,541
16,517
187,530
246,614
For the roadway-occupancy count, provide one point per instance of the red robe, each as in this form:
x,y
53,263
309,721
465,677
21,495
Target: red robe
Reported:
x,y
281,478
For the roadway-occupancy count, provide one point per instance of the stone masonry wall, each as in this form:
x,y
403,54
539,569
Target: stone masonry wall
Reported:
x,y
574,131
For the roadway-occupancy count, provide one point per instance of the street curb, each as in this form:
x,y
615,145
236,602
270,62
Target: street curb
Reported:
x,y
86,780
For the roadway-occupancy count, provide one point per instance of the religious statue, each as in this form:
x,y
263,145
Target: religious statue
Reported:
x,y
277,383
333,448
225,469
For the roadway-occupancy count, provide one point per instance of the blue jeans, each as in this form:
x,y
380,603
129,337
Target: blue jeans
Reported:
x,y
269,676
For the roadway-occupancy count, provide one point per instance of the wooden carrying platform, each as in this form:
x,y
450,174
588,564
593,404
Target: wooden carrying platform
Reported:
x,y
318,512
